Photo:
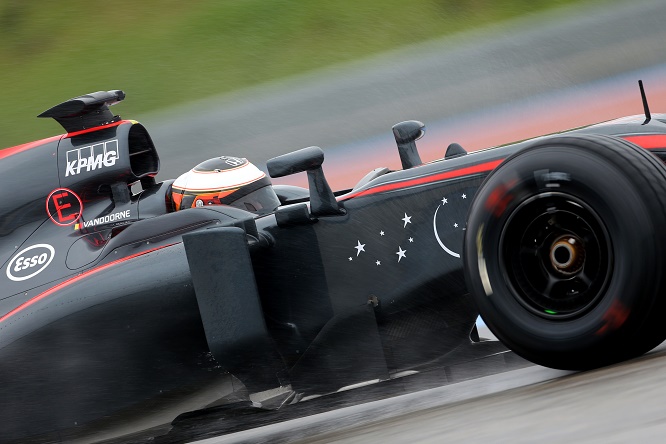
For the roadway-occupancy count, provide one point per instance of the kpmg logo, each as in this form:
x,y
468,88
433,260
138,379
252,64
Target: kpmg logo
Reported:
x,y
90,158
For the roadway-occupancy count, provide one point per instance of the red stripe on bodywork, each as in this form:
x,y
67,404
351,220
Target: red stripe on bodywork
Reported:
x,y
97,128
26,146
74,279
467,171
648,141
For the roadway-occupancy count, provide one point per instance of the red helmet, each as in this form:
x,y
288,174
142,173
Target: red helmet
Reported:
x,y
225,180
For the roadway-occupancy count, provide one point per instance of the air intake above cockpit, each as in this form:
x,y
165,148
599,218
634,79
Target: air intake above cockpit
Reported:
x,y
86,111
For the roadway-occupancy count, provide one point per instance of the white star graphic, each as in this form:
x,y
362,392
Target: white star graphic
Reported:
x,y
411,239
360,247
350,258
401,253
444,201
381,233
407,220
378,263
455,225
464,196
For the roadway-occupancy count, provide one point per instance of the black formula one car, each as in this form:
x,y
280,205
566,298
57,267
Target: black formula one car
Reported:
x,y
125,298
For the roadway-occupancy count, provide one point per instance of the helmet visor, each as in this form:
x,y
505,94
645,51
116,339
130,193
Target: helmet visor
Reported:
x,y
260,201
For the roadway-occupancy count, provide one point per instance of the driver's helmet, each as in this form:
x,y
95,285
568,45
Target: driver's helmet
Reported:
x,y
225,180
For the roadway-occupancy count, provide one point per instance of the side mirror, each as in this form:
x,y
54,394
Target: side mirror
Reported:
x,y
322,199
306,159
406,134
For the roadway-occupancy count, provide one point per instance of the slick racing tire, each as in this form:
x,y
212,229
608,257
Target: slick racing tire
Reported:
x,y
565,251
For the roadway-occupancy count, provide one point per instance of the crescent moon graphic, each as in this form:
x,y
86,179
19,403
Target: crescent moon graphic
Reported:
x,y
441,244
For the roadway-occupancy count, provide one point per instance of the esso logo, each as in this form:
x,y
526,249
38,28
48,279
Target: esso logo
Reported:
x,y
29,262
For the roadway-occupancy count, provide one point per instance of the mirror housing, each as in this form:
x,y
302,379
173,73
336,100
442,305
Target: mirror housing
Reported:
x,y
406,134
322,199
306,159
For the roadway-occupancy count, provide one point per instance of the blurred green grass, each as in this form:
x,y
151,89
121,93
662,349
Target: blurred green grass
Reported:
x,y
173,51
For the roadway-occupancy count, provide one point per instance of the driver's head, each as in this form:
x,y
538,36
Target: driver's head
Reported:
x,y
225,181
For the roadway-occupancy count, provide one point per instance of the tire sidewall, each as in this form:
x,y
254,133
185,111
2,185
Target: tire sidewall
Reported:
x,y
617,200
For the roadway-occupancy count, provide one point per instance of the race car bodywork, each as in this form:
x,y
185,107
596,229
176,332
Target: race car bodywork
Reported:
x,y
115,306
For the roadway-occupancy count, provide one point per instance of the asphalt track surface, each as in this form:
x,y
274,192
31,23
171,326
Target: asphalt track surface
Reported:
x,y
618,404
516,80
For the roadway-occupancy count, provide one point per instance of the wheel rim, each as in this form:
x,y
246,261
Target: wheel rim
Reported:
x,y
556,256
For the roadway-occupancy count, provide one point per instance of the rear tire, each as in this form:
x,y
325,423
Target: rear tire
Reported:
x,y
565,250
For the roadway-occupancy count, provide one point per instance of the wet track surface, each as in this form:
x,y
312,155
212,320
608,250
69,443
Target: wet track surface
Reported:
x,y
536,75
621,403
428,387
499,398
